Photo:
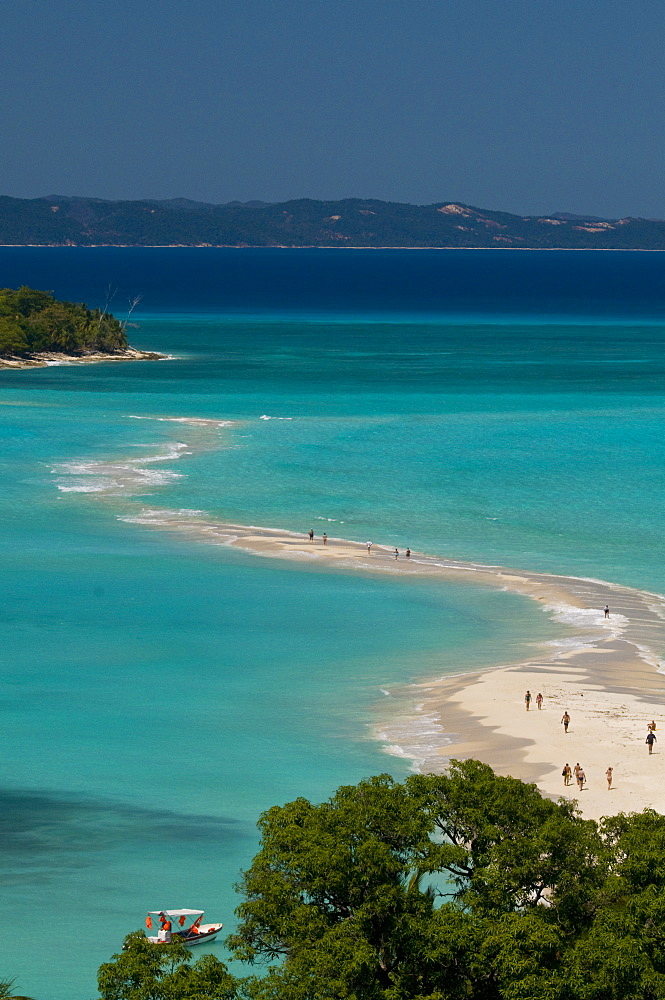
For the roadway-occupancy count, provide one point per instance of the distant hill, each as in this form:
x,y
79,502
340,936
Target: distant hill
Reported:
x,y
65,221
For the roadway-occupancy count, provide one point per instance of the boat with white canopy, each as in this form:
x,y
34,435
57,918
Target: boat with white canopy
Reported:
x,y
191,931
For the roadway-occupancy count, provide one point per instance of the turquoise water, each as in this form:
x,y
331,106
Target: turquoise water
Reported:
x,y
158,693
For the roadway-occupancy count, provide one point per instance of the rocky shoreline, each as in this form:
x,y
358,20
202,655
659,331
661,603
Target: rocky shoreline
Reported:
x,y
45,359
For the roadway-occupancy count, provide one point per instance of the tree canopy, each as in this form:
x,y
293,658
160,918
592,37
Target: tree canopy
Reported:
x,y
463,886
32,321
146,971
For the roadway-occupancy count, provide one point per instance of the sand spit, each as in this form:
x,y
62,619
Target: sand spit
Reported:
x,y
605,671
606,675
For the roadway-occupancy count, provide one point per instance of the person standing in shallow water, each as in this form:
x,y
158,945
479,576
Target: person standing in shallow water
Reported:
x,y
396,553
325,538
527,700
565,719
607,611
539,701
651,739
311,534
408,553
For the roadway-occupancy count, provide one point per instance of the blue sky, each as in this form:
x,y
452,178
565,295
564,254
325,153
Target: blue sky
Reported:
x,y
524,106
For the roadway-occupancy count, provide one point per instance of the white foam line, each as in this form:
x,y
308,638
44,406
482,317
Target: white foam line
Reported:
x,y
194,421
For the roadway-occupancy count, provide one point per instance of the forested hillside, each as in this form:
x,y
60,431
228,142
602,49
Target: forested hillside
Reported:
x,y
60,221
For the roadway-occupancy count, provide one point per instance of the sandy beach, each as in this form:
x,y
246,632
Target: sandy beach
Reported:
x,y
606,676
604,671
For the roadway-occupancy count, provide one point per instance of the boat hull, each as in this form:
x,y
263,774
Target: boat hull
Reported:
x,y
206,933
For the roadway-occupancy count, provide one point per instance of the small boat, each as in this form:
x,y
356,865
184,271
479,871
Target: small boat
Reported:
x,y
195,933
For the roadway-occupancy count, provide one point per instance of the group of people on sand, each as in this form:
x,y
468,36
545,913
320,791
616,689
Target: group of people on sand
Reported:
x,y
324,539
528,698
651,735
578,771
395,551
580,776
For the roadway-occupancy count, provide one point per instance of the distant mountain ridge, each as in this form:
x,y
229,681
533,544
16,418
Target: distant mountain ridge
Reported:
x,y
58,220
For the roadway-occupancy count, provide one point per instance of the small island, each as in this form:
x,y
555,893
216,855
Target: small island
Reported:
x,y
37,329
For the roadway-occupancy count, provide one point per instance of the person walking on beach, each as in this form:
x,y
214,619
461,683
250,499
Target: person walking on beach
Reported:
x,y
576,770
539,701
565,719
408,553
581,778
567,774
325,538
651,739
607,611
311,534
527,700
608,775
369,547
651,726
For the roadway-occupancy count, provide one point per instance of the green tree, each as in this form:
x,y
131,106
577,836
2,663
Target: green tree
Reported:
x,y
12,337
339,885
146,971
506,848
33,321
463,886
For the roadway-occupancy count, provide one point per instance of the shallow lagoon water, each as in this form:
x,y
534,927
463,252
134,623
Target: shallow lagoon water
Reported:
x,y
158,694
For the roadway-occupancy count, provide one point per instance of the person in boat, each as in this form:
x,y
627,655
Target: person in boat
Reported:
x,y
164,932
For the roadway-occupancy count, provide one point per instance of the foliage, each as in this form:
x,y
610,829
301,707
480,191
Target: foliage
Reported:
x,y
146,971
33,321
7,990
12,338
462,886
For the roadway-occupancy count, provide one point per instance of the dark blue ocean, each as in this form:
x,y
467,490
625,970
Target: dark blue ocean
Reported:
x,y
158,693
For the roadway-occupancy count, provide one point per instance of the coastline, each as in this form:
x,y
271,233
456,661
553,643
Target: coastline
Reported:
x,y
47,359
610,695
308,246
607,676
606,672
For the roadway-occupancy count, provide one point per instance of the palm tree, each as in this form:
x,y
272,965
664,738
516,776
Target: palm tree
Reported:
x,y
7,990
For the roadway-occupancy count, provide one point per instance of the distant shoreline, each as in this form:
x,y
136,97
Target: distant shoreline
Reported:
x,y
353,223
284,246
